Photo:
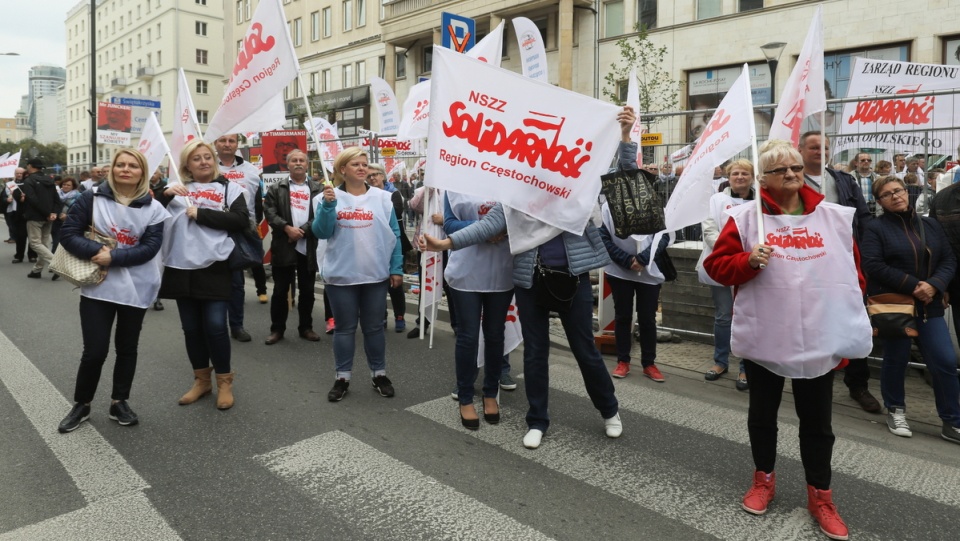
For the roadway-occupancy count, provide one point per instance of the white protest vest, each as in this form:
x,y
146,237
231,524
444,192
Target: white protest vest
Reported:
x,y
484,267
362,244
321,243
247,177
634,244
130,286
188,245
300,210
804,313
719,203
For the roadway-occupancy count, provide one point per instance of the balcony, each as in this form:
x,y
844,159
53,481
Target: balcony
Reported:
x,y
119,83
145,74
100,91
396,8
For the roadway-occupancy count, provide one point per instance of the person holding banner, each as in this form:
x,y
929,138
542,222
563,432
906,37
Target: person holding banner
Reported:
x,y
798,313
376,177
197,274
362,260
121,208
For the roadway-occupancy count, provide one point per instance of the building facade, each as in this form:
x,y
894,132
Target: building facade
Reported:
x,y
42,81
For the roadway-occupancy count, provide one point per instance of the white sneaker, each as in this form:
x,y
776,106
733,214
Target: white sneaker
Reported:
x,y
532,439
613,426
897,423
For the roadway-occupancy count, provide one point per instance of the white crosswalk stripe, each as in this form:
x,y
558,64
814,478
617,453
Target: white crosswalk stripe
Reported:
x,y
384,497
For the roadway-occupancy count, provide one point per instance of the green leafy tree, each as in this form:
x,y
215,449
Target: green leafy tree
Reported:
x,y
52,154
658,90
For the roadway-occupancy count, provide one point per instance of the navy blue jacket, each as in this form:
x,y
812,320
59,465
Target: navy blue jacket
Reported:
x,y
890,258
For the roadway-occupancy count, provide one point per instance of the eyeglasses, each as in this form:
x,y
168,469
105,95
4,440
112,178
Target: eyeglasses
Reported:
x,y
780,171
898,192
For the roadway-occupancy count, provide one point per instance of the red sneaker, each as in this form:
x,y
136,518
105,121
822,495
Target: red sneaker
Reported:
x,y
330,326
621,370
820,505
761,493
653,373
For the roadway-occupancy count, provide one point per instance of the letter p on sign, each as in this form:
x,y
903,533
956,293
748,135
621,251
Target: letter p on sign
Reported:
x,y
458,33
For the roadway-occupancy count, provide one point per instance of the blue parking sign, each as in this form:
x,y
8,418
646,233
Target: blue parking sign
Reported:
x,y
458,33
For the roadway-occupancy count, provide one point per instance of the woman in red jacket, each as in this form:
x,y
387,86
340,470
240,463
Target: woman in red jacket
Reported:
x,y
797,314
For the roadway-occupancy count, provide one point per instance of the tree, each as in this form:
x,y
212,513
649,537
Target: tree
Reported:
x,y
658,90
52,154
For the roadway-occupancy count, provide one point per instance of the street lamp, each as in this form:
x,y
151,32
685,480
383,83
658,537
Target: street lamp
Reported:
x,y
9,54
772,52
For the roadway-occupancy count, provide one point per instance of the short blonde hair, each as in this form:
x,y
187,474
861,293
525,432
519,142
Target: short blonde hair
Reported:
x,y
345,157
742,163
143,185
775,151
188,150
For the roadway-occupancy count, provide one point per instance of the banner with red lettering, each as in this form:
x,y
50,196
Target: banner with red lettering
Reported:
x,y
633,100
265,65
533,55
330,143
540,148
803,94
9,164
152,144
727,133
387,106
114,123
185,125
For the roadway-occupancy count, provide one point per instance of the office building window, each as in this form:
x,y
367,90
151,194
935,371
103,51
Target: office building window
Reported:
x,y
750,5
347,15
361,73
347,75
707,9
202,116
201,56
647,10
427,59
315,26
201,86
401,65
327,22
612,19
361,13
201,28
297,32
327,77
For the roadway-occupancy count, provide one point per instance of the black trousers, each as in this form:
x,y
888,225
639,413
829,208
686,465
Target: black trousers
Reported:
x,y
259,279
856,374
19,228
282,280
647,296
814,404
96,323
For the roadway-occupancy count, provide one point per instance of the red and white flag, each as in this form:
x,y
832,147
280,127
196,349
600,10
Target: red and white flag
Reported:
x,y
512,333
387,106
152,144
533,55
729,131
330,143
9,164
633,100
185,125
804,94
265,65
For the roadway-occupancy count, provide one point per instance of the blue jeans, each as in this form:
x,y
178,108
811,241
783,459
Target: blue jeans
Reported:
x,y
363,303
205,333
941,361
722,319
471,305
578,325
235,309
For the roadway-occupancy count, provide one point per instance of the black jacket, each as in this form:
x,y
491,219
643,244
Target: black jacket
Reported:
x,y
849,194
276,209
42,198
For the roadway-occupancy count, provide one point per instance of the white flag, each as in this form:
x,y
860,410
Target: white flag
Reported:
x,y
804,94
152,144
432,262
512,333
185,125
490,48
633,100
330,144
728,132
265,65
533,55
387,106
8,165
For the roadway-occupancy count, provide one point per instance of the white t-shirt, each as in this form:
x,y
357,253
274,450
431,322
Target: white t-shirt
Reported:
x,y
300,210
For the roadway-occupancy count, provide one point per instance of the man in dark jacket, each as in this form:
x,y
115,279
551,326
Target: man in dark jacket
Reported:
x,y
14,211
293,247
945,208
840,188
41,206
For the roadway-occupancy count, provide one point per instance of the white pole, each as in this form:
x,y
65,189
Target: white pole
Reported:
x,y
423,262
313,127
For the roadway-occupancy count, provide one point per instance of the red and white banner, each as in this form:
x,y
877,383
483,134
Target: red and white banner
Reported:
x,y
9,164
540,148
512,333
633,100
803,95
330,144
726,134
431,262
114,123
403,148
533,55
265,65
387,106
152,144
185,125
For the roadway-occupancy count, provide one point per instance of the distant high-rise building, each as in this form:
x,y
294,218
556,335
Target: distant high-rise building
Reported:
x,y
42,81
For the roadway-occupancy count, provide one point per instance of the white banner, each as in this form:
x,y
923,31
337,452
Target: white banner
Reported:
x,y
533,55
387,106
185,125
152,144
512,333
490,48
633,100
803,95
726,134
330,144
540,148
8,165
265,65
405,148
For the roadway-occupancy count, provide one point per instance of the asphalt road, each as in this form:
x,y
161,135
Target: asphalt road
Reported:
x,y
286,464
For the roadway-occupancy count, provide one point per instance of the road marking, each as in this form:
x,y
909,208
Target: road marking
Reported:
x,y
898,471
384,497
104,478
686,496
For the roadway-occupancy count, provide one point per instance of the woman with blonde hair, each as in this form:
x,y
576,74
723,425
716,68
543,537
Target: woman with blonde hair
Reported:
x,y
362,259
204,208
122,209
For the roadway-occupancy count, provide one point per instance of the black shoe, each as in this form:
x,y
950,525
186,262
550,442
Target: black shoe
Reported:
x,y
240,334
17,260
32,259
77,415
122,414
55,277
157,305
415,333
491,418
339,390
35,274
742,384
383,386
469,424
866,400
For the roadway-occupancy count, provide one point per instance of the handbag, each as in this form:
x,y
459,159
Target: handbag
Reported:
x,y
635,207
665,264
82,272
554,289
893,315
247,246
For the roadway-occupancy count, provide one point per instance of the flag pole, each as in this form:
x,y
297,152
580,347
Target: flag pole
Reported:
x,y
423,265
312,126
755,155
823,145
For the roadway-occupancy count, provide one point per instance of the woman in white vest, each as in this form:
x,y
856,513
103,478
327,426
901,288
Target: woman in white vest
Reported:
x,y
798,313
362,259
741,176
195,251
481,284
120,208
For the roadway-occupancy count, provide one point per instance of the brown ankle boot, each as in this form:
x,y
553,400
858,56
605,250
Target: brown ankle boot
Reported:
x,y
201,386
225,391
